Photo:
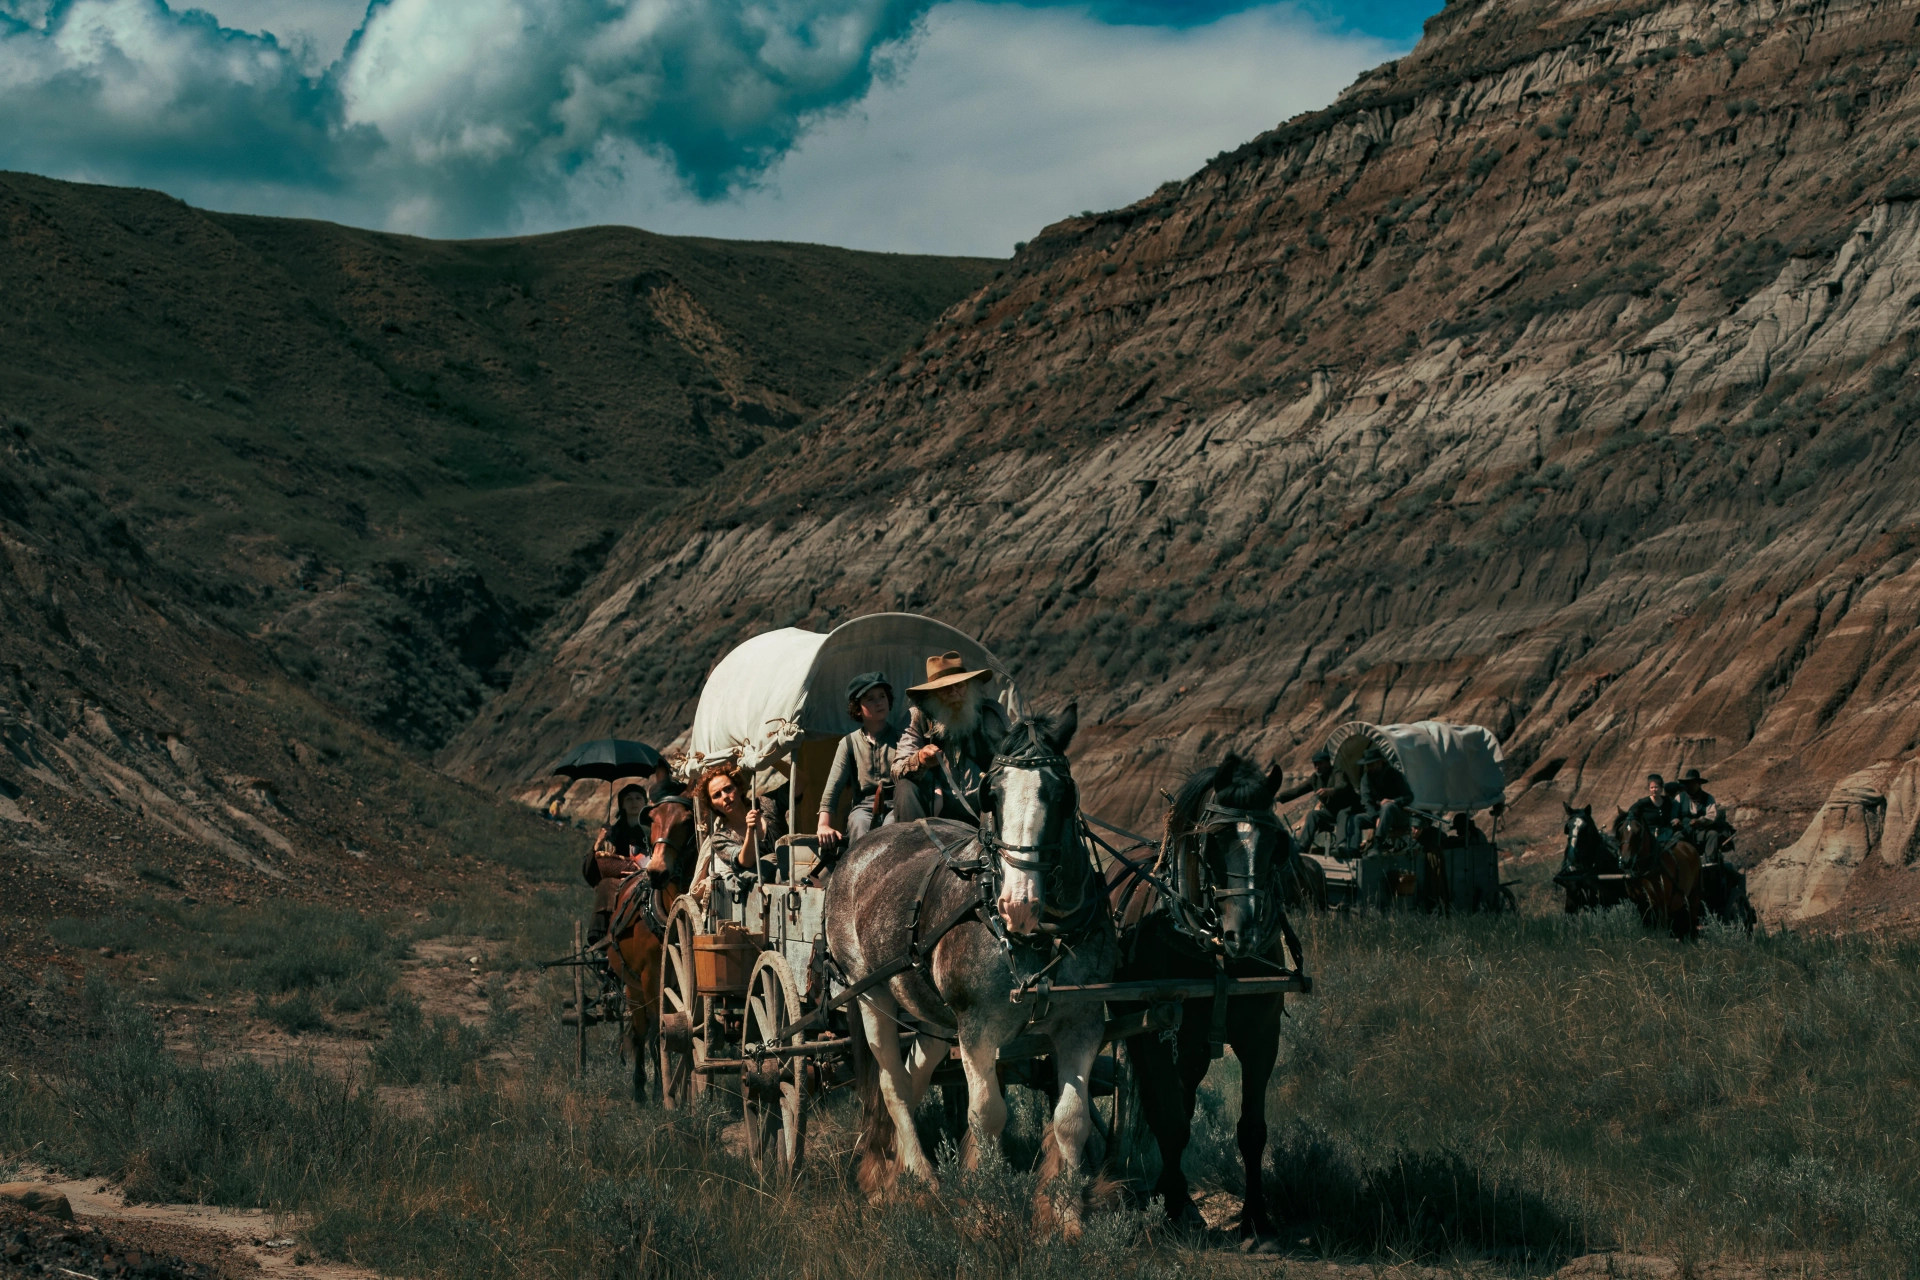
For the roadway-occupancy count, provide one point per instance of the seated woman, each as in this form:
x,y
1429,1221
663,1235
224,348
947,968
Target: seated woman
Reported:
x,y
738,834
618,851
863,762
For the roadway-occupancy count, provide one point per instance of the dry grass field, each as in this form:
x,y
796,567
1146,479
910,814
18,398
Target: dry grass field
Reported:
x,y
1489,1095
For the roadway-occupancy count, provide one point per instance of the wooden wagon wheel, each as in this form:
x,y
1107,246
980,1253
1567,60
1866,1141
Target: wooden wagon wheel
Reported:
x,y
682,1014
772,1090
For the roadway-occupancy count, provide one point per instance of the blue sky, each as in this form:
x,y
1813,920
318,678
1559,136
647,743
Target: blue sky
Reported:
x,y
951,126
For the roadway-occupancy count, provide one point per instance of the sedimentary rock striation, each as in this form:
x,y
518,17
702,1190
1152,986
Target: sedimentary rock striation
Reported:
x,y
1557,377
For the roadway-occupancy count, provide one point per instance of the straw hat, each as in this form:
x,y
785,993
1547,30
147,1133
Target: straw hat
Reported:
x,y
946,669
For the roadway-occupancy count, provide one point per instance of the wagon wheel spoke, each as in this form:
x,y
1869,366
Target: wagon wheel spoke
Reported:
x,y
772,1090
681,1014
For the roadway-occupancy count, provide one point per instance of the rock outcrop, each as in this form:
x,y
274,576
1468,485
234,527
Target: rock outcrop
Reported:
x,y
1558,377
1873,812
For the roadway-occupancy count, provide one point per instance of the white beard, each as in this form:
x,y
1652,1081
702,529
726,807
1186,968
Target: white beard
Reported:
x,y
949,726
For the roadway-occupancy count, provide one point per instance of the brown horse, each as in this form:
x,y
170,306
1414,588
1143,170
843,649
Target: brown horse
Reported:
x,y
1663,882
637,935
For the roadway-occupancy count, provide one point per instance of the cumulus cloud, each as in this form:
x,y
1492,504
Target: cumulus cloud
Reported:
x,y
906,124
447,114
1004,119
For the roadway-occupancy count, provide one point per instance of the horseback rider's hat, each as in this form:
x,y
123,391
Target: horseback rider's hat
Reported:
x,y
858,686
946,669
1693,775
1374,755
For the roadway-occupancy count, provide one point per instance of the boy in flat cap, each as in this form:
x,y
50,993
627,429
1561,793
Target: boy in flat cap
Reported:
x,y
863,762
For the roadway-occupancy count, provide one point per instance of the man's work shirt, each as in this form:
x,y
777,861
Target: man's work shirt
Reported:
x,y
863,763
1695,811
959,768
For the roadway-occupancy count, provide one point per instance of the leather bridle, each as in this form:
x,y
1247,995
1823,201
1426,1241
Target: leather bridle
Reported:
x,y
1201,920
1049,858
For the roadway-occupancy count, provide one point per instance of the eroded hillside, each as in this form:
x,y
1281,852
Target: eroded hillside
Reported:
x,y
149,753
1557,377
391,457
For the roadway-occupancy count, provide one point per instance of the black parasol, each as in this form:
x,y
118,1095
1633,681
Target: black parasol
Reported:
x,y
608,759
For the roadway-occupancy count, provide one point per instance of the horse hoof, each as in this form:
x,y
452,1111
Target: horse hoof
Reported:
x,y
1186,1218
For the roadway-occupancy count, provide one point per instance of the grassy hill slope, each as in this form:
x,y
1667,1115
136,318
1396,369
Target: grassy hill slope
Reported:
x,y
393,456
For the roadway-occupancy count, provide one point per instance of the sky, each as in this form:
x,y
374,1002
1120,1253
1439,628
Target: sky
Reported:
x,y
926,126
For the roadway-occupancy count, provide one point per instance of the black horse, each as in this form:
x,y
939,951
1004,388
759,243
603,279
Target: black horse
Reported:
x,y
1589,855
1223,858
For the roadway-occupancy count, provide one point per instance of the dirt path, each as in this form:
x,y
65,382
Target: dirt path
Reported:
x,y
255,1235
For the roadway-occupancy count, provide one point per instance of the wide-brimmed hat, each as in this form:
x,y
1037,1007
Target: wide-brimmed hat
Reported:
x,y
858,686
945,669
1693,775
1374,755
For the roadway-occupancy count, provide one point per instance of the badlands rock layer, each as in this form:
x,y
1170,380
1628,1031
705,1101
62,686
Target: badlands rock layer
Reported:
x,y
1558,377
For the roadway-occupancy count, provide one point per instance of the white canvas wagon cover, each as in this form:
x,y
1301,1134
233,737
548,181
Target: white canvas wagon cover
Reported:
x,y
1450,767
781,686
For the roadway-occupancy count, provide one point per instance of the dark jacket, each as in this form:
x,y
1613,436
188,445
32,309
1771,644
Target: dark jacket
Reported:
x,y
620,850
1654,816
1380,785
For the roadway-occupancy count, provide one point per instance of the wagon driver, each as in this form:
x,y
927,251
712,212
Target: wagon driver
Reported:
x,y
952,730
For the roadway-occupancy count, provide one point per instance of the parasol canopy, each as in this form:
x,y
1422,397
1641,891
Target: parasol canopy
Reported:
x,y
608,759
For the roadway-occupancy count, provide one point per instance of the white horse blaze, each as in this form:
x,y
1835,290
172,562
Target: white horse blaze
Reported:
x,y
1022,819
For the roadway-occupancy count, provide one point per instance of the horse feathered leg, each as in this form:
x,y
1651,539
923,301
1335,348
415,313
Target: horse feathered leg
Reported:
x,y
1075,1045
986,1103
877,1014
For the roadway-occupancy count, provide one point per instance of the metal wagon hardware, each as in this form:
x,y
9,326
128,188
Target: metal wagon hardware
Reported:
x,y
749,995
1437,857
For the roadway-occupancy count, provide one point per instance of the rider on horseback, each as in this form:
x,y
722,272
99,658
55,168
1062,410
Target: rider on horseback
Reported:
x,y
949,742
617,853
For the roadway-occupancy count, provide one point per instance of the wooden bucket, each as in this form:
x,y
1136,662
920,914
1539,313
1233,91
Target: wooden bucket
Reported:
x,y
722,962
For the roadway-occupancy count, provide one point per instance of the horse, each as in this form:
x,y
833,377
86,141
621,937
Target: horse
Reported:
x,y
1588,853
1661,880
637,935
1224,857
945,922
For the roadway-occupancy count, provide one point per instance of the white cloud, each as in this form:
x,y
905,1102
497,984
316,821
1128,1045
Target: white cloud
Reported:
x,y
840,121
997,121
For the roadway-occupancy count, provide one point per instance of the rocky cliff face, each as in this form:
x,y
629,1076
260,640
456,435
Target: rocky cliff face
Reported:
x,y
1558,377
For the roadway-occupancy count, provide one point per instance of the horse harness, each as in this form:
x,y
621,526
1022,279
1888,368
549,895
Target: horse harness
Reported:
x,y
639,897
981,870
1199,922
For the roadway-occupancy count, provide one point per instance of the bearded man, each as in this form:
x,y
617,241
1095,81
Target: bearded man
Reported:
x,y
952,731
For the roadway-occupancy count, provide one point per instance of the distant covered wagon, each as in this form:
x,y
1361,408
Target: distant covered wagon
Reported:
x,y
1443,859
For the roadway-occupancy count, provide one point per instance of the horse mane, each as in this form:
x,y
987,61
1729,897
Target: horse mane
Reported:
x,y
1034,732
1236,783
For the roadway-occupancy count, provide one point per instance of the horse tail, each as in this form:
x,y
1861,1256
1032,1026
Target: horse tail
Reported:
x,y
876,1162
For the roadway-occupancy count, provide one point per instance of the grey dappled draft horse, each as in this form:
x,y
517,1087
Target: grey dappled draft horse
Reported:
x,y
896,885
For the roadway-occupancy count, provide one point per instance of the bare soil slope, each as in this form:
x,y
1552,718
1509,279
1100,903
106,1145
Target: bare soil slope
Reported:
x,y
1557,377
